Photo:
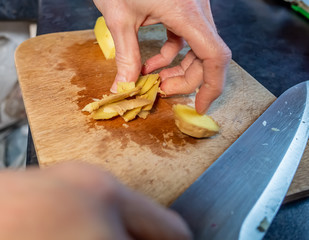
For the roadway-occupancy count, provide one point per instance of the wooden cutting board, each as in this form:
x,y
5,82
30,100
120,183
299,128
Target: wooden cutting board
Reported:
x,y
60,73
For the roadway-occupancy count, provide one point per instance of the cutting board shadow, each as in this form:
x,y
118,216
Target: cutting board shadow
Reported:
x,y
60,73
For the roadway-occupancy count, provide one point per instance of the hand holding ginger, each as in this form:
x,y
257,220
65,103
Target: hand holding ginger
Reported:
x,y
188,20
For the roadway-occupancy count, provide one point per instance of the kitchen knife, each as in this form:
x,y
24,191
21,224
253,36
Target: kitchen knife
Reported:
x,y
238,196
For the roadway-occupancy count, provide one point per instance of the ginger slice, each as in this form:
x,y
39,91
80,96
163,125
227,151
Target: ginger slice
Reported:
x,y
100,114
142,80
104,38
151,80
125,86
143,114
145,82
193,124
122,106
161,92
131,114
151,95
110,99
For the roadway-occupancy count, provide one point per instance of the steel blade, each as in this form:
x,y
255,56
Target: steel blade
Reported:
x,y
238,196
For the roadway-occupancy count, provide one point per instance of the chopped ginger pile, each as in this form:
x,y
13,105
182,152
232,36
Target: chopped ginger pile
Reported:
x,y
132,100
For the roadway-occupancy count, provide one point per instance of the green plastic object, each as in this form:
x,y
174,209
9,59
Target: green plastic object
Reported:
x,y
300,10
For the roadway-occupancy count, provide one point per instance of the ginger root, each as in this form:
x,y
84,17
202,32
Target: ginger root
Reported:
x,y
104,38
193,124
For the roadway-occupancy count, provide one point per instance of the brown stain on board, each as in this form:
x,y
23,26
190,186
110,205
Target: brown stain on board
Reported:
x,y
94,75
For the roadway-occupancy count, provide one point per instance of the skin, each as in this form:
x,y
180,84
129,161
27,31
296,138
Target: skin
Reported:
x,y
76,201
190,21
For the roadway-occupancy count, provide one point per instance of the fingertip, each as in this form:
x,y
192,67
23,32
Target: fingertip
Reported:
x,y
206,96
163,75
145,69
201,109
130,75
113,89
201,103
118,78
167,86
154,63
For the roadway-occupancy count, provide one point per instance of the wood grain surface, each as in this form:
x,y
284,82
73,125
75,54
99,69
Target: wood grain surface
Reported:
x,y
60,73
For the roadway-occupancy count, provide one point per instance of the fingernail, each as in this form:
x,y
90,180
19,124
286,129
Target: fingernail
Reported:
x,y
118,79
162,93
162,76
144,69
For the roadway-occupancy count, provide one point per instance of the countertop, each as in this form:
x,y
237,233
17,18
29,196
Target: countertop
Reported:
x,y
267,39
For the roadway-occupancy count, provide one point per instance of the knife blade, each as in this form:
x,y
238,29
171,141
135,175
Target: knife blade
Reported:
x,y
238,196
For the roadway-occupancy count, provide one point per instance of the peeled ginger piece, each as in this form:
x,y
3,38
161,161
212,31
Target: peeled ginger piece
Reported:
x,y
193,124
152,82
100,114
143,114
104,38
149,82
151,95
131,114
122,106
119,108
110,99
141,81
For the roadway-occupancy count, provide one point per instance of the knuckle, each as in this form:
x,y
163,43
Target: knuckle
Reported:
x,y
129,70
127,64
117,21
113,23
164,59
226,53
221,52
216,89
189,5
188,87
218,92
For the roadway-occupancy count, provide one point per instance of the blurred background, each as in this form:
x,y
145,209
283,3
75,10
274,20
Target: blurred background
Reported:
x,y
17,24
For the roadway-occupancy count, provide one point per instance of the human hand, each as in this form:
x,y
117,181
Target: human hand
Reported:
x,y
187,20
75,201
